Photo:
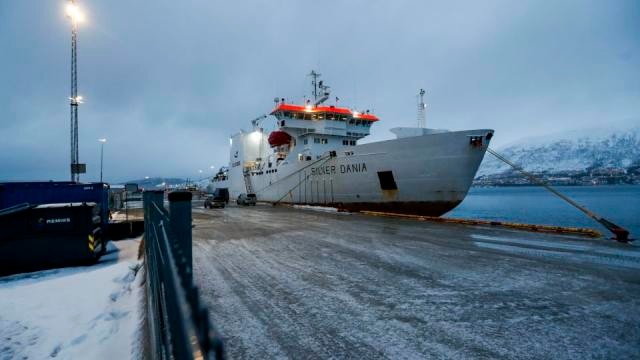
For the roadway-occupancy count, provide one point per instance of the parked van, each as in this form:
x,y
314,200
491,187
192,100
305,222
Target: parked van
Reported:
x,y
222,193
246,199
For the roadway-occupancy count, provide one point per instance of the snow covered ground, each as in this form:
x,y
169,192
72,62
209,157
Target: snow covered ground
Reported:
x,y
88,312
285,283
321,209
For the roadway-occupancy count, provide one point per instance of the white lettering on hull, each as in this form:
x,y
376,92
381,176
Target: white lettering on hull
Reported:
x,y
341,169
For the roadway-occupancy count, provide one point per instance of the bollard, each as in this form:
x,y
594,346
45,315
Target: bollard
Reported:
x,y
180,217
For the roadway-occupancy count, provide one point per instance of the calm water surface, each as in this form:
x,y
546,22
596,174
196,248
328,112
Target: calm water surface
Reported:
x,y
535,205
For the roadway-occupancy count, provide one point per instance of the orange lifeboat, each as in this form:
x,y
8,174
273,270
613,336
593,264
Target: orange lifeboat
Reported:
x,y
278,138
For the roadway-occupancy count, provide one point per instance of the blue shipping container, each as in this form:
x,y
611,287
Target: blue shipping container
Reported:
x,y
49,192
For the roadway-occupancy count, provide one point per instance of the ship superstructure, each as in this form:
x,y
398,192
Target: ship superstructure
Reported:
x,y
313,157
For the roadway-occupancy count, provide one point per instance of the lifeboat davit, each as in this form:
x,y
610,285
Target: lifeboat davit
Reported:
x,y
277,138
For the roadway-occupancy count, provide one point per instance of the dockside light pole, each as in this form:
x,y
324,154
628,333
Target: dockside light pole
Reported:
x,y
74,14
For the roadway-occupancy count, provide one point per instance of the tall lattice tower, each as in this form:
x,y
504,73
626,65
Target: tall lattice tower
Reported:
x,y
73,13
422,109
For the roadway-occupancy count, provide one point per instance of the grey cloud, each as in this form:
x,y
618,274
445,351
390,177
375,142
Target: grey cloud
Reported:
x,y
167,82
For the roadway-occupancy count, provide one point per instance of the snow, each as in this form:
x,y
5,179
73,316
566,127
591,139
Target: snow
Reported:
x,y
285,283
320,208
570,151
88,312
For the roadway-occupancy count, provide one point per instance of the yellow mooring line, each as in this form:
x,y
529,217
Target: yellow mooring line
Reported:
x,y
526,227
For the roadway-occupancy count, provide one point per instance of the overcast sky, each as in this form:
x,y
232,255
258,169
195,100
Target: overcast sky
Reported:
x,y
167,82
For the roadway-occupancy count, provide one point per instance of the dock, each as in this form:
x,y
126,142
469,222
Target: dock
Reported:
x,y
294,283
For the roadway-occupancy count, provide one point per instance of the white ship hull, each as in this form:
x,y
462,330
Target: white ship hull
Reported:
x,y
432,174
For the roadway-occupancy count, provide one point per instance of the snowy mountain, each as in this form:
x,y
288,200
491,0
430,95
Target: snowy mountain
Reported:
x,y
157,182
572,151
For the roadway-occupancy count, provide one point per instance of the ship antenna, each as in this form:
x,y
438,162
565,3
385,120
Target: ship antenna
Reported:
x,y
422,108
314,82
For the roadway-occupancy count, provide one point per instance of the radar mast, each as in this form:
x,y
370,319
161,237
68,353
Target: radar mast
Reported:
x,y
422,109
321,91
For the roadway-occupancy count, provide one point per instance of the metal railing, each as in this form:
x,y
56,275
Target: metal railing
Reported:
x,y
178,322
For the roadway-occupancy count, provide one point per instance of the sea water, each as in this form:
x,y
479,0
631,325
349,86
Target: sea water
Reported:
x,y
619,204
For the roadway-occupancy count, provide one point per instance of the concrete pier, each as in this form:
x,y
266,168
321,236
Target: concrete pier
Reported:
x,y
285,282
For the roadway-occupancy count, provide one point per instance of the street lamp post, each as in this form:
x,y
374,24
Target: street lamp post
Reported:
x,y
102,141
75,16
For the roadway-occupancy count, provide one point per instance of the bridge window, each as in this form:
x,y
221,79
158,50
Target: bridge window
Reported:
x,y
324,141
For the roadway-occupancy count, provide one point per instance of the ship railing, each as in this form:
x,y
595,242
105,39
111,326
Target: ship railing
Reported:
x,y
177,322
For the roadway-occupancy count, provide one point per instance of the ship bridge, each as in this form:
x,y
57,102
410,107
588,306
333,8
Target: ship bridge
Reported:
x,y
323,122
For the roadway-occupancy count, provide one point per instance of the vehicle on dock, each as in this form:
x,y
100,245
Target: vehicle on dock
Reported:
x,y
214,201
314,158
246,199
222,193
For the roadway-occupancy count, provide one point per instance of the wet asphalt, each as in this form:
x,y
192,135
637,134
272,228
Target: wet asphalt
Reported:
x,y
304,284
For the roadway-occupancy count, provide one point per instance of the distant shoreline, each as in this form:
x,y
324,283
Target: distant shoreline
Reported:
x,y
555,185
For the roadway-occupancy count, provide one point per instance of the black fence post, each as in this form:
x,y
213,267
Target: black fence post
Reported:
x,y
180,218
178,323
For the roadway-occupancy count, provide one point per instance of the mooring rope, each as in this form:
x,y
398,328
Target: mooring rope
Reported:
x,y
620,233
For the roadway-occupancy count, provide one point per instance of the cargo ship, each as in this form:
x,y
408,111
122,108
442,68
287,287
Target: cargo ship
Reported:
x,y
314,157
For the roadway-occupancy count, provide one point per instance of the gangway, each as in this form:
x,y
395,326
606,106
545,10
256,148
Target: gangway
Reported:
x,y
247,181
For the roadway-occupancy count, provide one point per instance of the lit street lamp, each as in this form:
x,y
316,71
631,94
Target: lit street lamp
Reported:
x,y
73,12
102,141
